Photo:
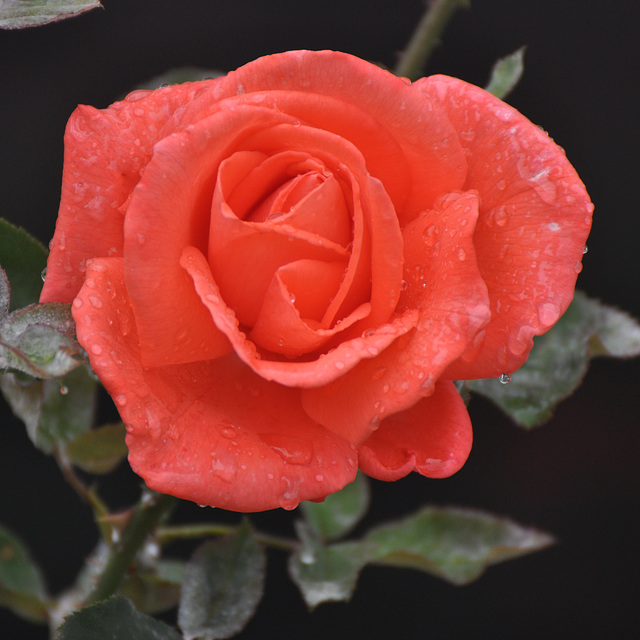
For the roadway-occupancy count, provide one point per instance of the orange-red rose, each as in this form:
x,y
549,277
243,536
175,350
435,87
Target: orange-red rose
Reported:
x,y
277,274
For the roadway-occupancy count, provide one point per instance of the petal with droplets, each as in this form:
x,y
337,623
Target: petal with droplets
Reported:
x,y
445,288
105,151
433,437
212,432
535,217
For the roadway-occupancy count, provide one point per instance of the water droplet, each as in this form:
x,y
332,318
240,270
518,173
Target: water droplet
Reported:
x,y
227,429
319,477
96,349
585,249
462,254
274,216
77,303
430,234
292,298
43,274
291,449
501,184
378,373
548,313
121,400
385,388
95,302
504,378
403,284
368,333
64,390
339,365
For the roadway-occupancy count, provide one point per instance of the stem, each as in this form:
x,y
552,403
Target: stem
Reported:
x,y
100,510
426,36
168,534
151,509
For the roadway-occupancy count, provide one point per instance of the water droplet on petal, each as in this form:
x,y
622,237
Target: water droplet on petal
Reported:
x,y
96,349
339,365
462,254
227,430
585,249
291,449
43,274
504,378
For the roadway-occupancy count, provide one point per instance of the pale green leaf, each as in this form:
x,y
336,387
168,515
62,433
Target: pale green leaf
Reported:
x,y
506,74
114,619
327,573
99,450
341,511
222,587
18,14
55,412
452,543
560,358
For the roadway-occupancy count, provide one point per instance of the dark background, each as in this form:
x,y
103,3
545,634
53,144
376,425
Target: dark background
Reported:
x,y
576,477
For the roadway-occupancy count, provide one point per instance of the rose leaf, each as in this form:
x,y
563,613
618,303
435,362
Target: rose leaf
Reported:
x,y
453,543
340,512
55,412
222,586
506,74
19,14
23,258
155,590
21,583
560,358
327,573
114,619
99,450
39,340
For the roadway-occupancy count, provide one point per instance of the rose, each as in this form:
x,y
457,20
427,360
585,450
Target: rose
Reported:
x,y
278,274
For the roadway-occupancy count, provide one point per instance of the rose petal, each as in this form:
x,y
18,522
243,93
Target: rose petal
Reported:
x,y
318,372
407,143
534,220
281,326
212,432
170,209
105,151
433,437
376,259
444,285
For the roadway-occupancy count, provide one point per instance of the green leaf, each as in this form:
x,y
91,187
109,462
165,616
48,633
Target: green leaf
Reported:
x,y
99,450
327,573
18,14
506,74
560,358
454,544
114,619
55,412
222,587
155,590
23,258
21,584
39,340
341,511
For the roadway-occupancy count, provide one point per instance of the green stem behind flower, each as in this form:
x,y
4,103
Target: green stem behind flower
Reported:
x,y
426,36
150,511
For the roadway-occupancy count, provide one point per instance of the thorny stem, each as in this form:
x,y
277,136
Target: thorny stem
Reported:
x,y
426,36
167,534
149,512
